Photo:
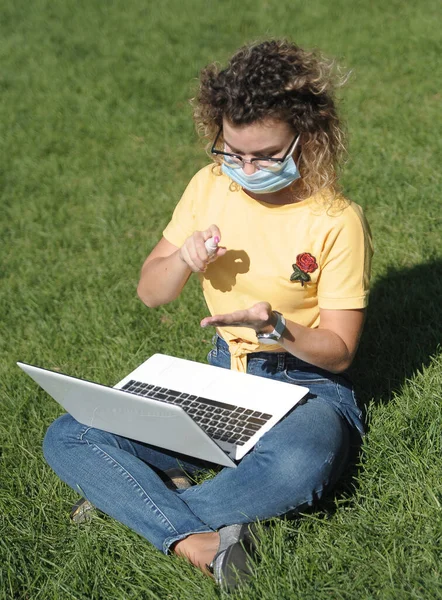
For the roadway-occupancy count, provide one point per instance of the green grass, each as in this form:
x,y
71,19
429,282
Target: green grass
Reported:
x,y
92,93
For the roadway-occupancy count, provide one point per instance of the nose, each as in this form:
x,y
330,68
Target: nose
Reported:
x,y
249,168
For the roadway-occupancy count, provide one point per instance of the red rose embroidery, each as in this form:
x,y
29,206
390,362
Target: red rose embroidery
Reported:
x,y
305,264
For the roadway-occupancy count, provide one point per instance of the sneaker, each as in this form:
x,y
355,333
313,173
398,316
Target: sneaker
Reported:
x,y
231,566
82,511
177,479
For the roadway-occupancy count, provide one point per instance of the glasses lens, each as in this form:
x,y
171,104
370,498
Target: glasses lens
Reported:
x,y
268,165
232,161
276,166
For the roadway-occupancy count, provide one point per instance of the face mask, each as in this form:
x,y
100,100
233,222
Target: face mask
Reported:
x,y
264,182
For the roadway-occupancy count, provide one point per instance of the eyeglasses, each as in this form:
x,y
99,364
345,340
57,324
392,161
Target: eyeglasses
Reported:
x,y
264,163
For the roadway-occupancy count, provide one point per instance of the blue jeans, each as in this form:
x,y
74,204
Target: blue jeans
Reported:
x,y
289,468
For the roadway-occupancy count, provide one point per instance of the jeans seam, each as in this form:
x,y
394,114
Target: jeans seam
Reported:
x,y
136,484
83,432
338,389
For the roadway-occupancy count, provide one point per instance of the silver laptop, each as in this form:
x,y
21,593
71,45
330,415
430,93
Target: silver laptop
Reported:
x,y
203,411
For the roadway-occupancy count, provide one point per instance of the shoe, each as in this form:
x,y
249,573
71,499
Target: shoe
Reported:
x,y
231,566
82,511
177,479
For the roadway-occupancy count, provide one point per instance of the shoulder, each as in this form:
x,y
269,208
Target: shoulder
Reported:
x,y
205,186
339,212
347,231
353,219
209,175
338,225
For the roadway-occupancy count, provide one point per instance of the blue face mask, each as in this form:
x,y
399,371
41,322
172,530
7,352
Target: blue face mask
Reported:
x,y
264,182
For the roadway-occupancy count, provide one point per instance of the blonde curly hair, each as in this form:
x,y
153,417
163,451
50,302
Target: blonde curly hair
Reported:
x,y
279,80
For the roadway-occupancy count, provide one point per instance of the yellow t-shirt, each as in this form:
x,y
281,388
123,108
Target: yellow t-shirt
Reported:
x,y
298,257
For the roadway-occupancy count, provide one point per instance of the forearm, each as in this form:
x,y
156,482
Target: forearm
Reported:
x,y
162,279
320,347
331,346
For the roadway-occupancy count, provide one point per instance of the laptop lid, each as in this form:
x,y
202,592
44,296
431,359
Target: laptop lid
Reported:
x,y
119,412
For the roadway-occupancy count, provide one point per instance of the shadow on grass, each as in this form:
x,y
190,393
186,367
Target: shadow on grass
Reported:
x,y
402,332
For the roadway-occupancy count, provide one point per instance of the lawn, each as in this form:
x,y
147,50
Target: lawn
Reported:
x,y
97,144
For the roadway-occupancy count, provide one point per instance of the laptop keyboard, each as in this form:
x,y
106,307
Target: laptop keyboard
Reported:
x,y
222,422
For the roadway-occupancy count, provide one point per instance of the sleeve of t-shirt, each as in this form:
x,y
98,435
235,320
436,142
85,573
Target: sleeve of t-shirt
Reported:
x,y
346,262
183,222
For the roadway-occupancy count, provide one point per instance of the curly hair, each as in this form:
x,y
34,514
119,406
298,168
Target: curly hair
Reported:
x,y
278,80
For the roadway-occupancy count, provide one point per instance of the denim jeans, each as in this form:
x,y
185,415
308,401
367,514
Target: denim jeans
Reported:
x,y
289,468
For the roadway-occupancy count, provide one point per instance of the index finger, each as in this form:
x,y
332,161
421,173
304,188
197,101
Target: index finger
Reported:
x,y
212,231
237,319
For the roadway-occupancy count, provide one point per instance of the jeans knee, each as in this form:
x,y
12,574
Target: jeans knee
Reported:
x,y
307,455
58,434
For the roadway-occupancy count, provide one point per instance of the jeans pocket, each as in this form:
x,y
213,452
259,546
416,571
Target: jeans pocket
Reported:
x,y
303,377
345,389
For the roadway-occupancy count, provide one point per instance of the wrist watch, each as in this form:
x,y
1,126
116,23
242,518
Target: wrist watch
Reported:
x,y
275,335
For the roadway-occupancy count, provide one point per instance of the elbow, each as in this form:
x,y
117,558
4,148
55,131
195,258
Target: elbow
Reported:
x,y
342,365
151,300
146,299
341,368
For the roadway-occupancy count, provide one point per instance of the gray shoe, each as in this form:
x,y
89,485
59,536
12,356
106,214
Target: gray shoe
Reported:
x,y
231,566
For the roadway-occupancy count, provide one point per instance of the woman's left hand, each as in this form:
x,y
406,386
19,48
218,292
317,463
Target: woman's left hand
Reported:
x,y
257,317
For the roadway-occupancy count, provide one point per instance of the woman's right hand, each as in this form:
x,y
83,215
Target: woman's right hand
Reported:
x,y
194,253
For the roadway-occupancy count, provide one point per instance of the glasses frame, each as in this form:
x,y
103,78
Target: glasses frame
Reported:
x,y
255,160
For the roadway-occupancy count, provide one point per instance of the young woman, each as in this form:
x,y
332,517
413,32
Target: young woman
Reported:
x,y
286,286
